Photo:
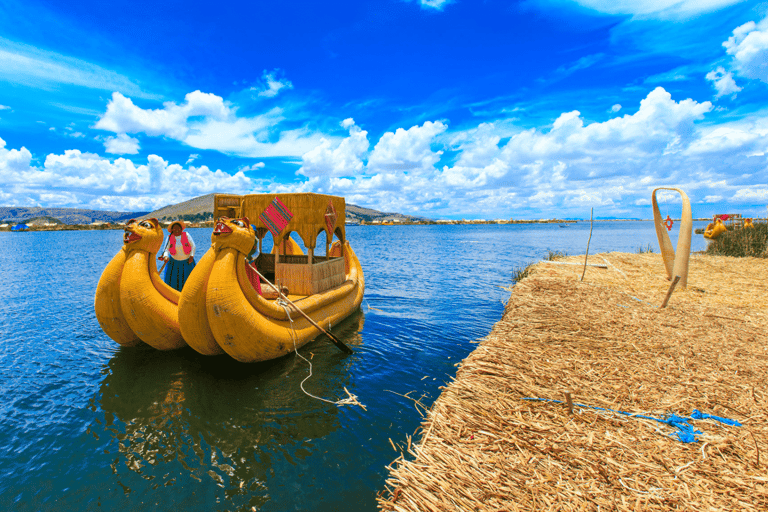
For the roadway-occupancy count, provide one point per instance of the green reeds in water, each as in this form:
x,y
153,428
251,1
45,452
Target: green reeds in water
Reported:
x,y
555,255
520,273
644,250
742,242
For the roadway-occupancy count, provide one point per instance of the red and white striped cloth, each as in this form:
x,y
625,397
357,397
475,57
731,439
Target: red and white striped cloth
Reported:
x,y
276,217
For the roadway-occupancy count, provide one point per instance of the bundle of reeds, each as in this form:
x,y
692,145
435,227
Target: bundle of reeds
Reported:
x,y
752,241
604,345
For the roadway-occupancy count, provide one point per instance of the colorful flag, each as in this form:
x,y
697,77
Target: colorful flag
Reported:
x,y
276,217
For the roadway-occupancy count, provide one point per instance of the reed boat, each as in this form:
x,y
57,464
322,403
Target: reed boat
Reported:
x,y
714,230
238,300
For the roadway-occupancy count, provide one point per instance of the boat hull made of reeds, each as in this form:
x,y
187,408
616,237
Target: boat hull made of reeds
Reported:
x,y
251,328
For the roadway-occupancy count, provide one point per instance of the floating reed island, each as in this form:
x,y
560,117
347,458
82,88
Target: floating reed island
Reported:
x,y
566,404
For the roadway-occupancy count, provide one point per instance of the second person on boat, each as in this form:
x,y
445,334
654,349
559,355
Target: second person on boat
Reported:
x,y
179,255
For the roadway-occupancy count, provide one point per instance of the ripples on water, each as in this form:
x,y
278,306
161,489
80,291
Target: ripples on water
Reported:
x,y
85,424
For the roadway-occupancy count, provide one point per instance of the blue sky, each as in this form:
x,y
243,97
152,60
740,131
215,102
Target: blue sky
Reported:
x,y
443,109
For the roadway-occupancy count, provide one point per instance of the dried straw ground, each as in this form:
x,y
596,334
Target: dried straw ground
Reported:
x,y
607,343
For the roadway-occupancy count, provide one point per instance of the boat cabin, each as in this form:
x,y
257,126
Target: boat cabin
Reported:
x,y
730,220
305,214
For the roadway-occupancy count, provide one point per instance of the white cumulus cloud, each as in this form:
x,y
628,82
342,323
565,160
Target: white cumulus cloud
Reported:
x,y
337,159
77,178
254,167
206,121
13,160
272,85
493,170
122,116
122,144
723,82
562,169
749,47
407,150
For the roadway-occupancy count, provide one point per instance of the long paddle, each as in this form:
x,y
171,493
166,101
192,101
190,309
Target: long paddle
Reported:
x,y
164,261
336,341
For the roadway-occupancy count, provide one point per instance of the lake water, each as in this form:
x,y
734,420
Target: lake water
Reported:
x,y
88,425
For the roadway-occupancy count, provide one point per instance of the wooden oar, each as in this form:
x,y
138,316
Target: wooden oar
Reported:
x,y
164,261
336,341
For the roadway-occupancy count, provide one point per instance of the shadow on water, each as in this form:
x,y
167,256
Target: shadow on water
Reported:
x,y
179,416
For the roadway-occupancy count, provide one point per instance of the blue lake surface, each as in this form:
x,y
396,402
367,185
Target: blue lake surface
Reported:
x,y
88,425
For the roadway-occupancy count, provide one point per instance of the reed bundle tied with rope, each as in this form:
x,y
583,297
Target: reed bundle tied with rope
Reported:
x,y
501,435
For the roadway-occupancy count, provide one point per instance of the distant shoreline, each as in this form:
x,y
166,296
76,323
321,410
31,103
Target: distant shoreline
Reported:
x,y
468,222
209,224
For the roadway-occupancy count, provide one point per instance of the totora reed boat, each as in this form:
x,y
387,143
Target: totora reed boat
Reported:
x,y
228,304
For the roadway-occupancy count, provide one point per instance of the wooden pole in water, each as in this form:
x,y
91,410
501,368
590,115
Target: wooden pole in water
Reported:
x,y
336,341
591,212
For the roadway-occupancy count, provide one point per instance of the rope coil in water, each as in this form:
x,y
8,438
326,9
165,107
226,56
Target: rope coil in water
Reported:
x,y
685,431
350,400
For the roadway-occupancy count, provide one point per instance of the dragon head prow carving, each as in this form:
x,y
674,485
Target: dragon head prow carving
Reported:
x,y
144,235
237,234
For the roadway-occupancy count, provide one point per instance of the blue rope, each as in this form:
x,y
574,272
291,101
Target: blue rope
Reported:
x,y
685,431
697,415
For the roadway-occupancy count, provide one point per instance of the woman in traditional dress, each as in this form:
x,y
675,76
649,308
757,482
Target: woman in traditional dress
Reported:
x,y
179,255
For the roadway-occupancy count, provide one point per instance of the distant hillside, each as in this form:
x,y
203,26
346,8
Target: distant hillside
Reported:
x,y
359,213
17,214
202,205
196,206
42,221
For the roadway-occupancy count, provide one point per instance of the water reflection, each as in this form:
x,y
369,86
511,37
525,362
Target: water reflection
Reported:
x,y
219,420
185,432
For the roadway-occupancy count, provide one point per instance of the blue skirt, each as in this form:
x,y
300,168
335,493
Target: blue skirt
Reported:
x,y
177,272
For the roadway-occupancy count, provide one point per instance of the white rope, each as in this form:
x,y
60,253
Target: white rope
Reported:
x,y
369,306
350,400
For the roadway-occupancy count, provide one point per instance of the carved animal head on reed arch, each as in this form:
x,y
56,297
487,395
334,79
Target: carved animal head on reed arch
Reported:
x,y
144,235
237,234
